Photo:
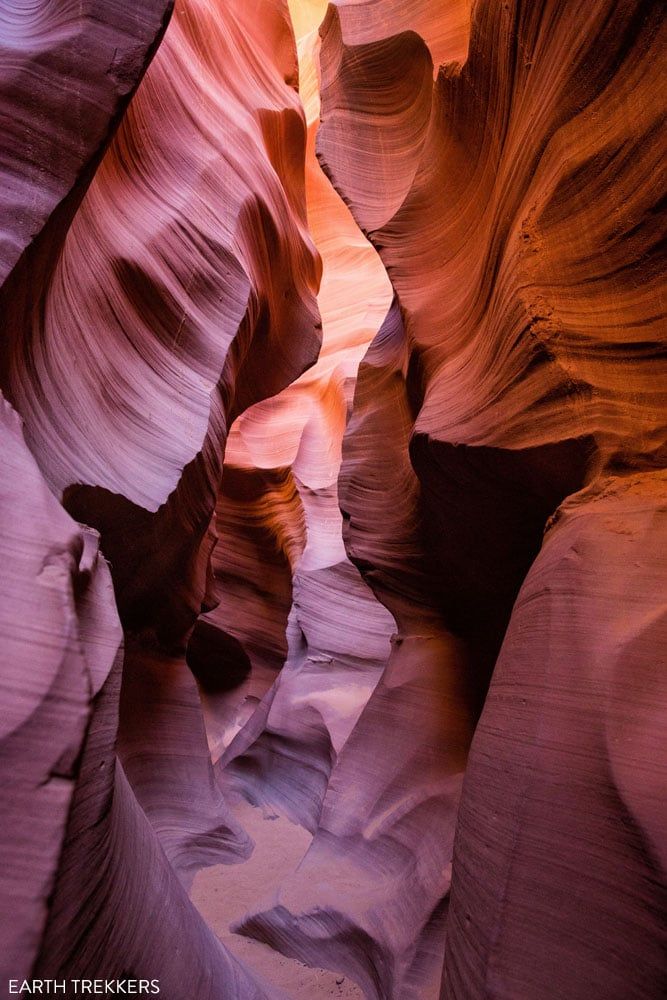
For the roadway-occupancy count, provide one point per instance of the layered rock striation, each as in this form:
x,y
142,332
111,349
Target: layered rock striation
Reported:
x,y
333,365
520,208
337,632
133,333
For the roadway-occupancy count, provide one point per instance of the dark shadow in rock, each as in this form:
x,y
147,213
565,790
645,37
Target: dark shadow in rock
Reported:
x,y
218,660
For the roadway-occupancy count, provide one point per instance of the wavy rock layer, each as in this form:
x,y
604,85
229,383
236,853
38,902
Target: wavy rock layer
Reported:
x,y
238,648
533,331
516,208
156,319
162,287
387,823
61,637
85,873
58,109
337,632
562,822
439,556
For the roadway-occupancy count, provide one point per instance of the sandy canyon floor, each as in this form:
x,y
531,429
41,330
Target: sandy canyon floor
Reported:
x,y
224,893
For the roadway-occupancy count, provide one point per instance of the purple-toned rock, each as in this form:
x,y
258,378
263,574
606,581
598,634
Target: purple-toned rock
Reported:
x,y
60,639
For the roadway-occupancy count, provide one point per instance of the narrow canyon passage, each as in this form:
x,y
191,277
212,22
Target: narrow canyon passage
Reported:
x,y
282,462
333,509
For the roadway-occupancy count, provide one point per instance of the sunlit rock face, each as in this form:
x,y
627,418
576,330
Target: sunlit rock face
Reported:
x,y
517,214
333,425
162,286
337,632
154,319
387,823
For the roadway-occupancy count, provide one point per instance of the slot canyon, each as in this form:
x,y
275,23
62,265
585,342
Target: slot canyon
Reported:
x,y
333,504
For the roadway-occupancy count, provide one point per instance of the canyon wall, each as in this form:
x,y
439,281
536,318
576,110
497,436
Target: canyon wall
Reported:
x,y
521,209
141,319
333,419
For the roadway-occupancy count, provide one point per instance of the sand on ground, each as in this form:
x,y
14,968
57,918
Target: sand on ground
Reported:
x,y
225,893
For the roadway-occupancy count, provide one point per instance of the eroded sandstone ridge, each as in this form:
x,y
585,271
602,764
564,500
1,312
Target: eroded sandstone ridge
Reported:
x,y
522,214
334,496
155,320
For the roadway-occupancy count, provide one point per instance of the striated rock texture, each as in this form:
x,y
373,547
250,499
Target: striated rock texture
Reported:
x,y
60,637
84,873
334,382
369,895
337,632
67,72
559,868
162,286
154,319
237,649
518,211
